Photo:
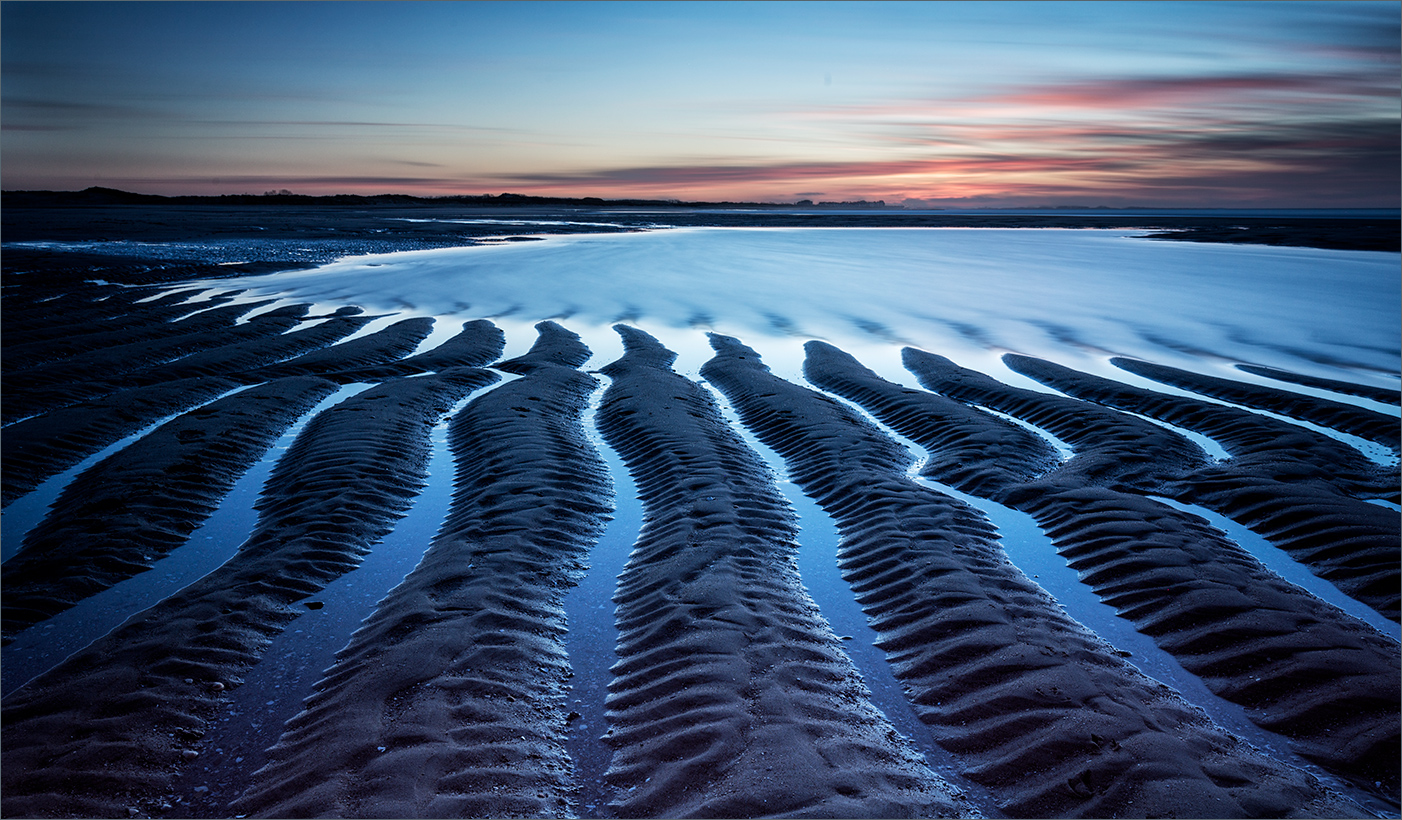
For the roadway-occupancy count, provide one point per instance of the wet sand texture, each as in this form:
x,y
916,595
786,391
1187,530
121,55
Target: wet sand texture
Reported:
x,y
1299,666
1298,488
42,446
238,359
100,371
1040,711
477,345
1346,418
1346,388
731,696
380,348
95,413
449,700
94,317
351,472
131,509
39,448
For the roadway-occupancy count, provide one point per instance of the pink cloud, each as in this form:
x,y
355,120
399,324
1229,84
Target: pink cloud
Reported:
x,y
1153,91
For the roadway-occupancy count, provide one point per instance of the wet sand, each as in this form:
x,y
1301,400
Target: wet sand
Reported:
x,y
731,695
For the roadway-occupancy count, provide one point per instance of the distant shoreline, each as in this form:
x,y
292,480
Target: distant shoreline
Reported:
x,y
100,214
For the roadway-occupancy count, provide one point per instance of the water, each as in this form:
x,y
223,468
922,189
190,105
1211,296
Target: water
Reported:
x,y
46,644
1073,297
1070,295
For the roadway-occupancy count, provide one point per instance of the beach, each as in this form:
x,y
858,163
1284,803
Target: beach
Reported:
x,y
492,396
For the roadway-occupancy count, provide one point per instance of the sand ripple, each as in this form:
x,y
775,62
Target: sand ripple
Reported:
x,y
732,697
1367,424
145,500
1300,489
448,701
1049,718
351,472
1299,666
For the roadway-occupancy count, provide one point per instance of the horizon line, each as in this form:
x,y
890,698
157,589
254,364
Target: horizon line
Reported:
x,y
671,202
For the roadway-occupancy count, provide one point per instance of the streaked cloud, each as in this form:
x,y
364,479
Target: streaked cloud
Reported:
x,y
1120,103
1120,93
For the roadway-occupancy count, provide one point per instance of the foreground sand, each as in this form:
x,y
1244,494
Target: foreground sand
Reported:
x,y
731,695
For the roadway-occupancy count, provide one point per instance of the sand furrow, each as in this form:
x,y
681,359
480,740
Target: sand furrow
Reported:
x,y
731,695
108,729
479,343
240,357
968,448
41,447
1367,424
87,326
1300,667
388,345
1200,596
103,372
131,509
94,316
1366,391
1112,448
1289,484
1041,711
449,700
209,329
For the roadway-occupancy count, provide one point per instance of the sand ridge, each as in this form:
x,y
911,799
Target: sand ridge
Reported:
x,y
349,474
1377,394
1046,715
146,499
98,412
1347,418
96,314
731,695
476,345
379,348
448,701
99,370
243,359
1300,489
101,316
1300,667
43,446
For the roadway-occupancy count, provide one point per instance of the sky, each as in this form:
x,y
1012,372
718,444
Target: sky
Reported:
x,y
943,104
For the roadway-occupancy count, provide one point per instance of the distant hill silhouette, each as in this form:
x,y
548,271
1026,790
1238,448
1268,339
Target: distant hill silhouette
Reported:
x,y
98,196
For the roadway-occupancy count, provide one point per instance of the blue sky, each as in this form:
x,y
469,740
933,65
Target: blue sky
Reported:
x,y
1212,104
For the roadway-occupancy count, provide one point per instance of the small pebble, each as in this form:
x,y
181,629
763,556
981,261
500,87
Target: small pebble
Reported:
x,y
189,754
217,686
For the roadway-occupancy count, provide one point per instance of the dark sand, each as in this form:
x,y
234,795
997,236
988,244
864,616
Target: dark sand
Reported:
x,y
731,697
146,499
107,730
1049,718
1301,489
449,701
1299,666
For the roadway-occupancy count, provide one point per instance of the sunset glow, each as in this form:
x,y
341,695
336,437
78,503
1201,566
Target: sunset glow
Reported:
x,y
1188,104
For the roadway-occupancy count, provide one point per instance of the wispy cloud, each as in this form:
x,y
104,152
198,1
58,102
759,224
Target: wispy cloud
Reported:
x,y
1142,92
1226,161
1226,102
1222,137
